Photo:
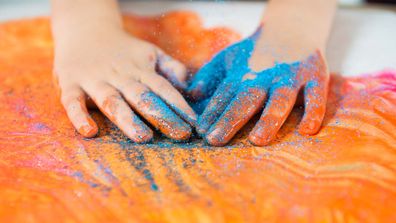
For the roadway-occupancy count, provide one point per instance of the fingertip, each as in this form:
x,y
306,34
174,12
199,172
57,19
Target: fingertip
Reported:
x,y
265,130
142,138
214,141
310,127
202,127
78,115
201,132
173,70
138,131
181,134
311,121
89,130
257,140
216,138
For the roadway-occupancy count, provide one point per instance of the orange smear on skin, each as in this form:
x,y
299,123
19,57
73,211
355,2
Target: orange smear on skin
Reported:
x,y
49,172
88,130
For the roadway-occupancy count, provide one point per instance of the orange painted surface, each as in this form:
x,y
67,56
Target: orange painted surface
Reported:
x,y
49,173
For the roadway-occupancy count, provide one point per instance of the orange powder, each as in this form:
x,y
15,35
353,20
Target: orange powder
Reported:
x,y
346,173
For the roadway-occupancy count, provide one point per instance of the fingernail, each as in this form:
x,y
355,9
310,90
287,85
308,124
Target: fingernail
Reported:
x,y
260,141
216,138
181,134
260,136
308,128
192,120
311,125
144,138
202,127
88,131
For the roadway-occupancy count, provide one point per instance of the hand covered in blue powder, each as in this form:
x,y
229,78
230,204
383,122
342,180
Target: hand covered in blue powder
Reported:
x,y
237,93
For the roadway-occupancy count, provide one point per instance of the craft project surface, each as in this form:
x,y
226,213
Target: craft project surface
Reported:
x,y
48,172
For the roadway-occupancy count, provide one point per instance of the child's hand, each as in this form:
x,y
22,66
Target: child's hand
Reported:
x,y
246,76
269,68
121,75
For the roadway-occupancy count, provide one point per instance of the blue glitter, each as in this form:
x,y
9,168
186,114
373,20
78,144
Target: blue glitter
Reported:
x,y
223,77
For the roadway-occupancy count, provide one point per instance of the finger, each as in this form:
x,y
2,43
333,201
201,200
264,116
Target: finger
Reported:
x,y
207,78
278,108
315,97
172,69
154,110
161,87
73,100
111,103
215,107
241,109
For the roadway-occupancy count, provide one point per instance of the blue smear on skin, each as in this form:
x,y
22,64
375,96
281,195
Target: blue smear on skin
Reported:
x,y
156,103
228,68
231,64
166,113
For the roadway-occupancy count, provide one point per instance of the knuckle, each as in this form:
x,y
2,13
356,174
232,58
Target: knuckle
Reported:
x,y
139,88
161,81
128,83
100,90
112,94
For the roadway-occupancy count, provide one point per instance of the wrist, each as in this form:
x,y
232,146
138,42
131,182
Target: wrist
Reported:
x,y
86,17
273,46
306,22
289,37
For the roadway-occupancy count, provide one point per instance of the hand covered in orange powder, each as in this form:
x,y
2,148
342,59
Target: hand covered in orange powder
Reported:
x,y
266,70
121,74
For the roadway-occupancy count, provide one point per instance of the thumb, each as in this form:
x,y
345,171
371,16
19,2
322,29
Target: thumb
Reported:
x,y
172,69
205,81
